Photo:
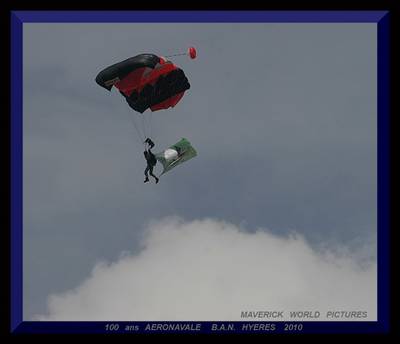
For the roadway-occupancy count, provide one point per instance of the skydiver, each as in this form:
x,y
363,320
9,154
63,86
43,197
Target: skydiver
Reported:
x,y
151,162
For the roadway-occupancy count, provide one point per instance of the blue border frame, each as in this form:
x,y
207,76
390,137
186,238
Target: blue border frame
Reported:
x,y
20,17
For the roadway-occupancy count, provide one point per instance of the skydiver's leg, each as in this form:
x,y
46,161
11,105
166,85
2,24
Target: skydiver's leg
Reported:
x,y
146,171
151,173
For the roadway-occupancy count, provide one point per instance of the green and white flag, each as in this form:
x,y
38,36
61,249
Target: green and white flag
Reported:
x,y
176,155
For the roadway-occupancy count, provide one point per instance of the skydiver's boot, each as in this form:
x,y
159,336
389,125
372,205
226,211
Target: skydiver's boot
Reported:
x,y
146,180
157,179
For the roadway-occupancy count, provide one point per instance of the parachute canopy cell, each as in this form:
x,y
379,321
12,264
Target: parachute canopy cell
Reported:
x,y
175,155
146,81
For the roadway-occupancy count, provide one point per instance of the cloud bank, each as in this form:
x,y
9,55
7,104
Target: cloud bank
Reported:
x,y
212,270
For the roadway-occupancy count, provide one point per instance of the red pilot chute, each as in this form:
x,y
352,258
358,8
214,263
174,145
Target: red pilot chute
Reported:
x,y
192,52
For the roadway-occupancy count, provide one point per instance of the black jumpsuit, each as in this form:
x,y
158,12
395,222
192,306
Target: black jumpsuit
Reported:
x,y
151,162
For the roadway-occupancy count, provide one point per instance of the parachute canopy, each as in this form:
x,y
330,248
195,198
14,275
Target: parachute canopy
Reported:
x,y
146,81
176,155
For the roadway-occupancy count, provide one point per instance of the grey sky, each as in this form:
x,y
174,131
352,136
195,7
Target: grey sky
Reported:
x,y
283,117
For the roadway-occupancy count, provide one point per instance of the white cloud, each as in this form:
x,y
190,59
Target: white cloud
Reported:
x,y
213,270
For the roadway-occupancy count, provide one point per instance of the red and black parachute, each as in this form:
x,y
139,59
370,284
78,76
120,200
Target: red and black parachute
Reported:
x,y
147,81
